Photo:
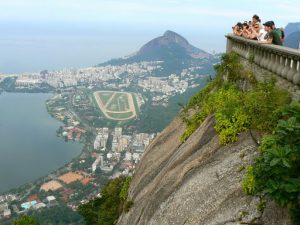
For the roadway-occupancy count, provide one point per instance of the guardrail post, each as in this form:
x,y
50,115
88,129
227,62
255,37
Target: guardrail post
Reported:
x,y
296,77
229,45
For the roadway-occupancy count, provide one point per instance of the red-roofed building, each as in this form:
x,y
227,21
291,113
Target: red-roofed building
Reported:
x,y
85,181
33,198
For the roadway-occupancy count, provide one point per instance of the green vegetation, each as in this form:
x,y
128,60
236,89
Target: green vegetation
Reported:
x,y
276,172
239,104
60,214
137,109
119,103
25,220
113,201
105,96
235,108
152,120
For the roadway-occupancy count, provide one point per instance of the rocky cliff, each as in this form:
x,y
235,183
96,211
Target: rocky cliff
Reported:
x,y
196,182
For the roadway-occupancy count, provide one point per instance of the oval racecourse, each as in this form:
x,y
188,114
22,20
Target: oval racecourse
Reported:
x,y
116,105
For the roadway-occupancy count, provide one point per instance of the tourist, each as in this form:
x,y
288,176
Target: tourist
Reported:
x,y
255,19
272,36
280,31
246,30
257,33
238,29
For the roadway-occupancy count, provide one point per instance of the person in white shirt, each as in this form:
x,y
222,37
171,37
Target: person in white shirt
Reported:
x,y
257,33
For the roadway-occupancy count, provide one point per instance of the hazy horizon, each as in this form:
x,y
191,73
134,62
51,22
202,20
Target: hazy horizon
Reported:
x,y
80,46
57,34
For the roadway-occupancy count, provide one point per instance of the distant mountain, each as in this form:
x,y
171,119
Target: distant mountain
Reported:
x,y
171,48
291,28
169,45
293,40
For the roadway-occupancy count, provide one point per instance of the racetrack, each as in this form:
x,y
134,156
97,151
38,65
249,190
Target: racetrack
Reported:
x,y
119,106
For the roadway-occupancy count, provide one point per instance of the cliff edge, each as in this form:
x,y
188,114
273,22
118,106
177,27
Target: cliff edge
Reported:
x,y
196,182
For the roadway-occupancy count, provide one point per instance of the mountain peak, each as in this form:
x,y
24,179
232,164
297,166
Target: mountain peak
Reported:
x,y
174,37
170,33
170,48
171,45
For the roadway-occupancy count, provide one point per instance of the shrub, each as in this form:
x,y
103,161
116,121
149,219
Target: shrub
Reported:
x,y
263,104
125,187
276,172
230,67
236,110
249,182
229,114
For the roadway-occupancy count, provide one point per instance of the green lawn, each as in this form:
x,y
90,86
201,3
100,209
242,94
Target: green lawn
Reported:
x,y
118,103
135,103
105,96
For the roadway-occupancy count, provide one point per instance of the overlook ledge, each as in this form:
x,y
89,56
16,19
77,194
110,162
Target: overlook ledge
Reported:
x,y
282,61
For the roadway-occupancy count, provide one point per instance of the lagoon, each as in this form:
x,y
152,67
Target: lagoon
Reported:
x,y
29,147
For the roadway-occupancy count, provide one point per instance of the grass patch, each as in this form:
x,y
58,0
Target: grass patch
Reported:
x,y
105,96
119,103
137,109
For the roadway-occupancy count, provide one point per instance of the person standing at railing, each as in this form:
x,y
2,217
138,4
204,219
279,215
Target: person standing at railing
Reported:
x,y
238,29
272,36
280,31
257,33
246,30
255,20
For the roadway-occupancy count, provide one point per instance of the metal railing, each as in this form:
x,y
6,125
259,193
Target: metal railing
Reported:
x,y
282,61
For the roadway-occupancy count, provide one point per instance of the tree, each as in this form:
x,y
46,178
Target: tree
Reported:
x,y
107,209
25,220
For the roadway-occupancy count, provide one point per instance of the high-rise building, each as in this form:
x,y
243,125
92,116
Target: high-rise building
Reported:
x,y
118,131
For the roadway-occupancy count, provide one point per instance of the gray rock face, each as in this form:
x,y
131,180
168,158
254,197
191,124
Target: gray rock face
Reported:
x,y
197,182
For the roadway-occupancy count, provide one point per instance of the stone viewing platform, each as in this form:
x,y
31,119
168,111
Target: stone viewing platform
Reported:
x,y
269,61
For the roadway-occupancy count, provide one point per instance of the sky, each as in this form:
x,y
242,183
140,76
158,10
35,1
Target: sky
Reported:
x,y
56,34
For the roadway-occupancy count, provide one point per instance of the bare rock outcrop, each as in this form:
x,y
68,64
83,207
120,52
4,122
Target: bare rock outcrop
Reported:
x,y
197,182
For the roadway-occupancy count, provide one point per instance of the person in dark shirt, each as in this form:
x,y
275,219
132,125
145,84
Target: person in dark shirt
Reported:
x,y
273,36
280,31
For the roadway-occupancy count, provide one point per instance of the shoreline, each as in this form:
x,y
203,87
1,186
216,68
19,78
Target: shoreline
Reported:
x,y
57,170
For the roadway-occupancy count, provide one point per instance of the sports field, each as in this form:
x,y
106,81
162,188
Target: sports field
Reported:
x,y
116,105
